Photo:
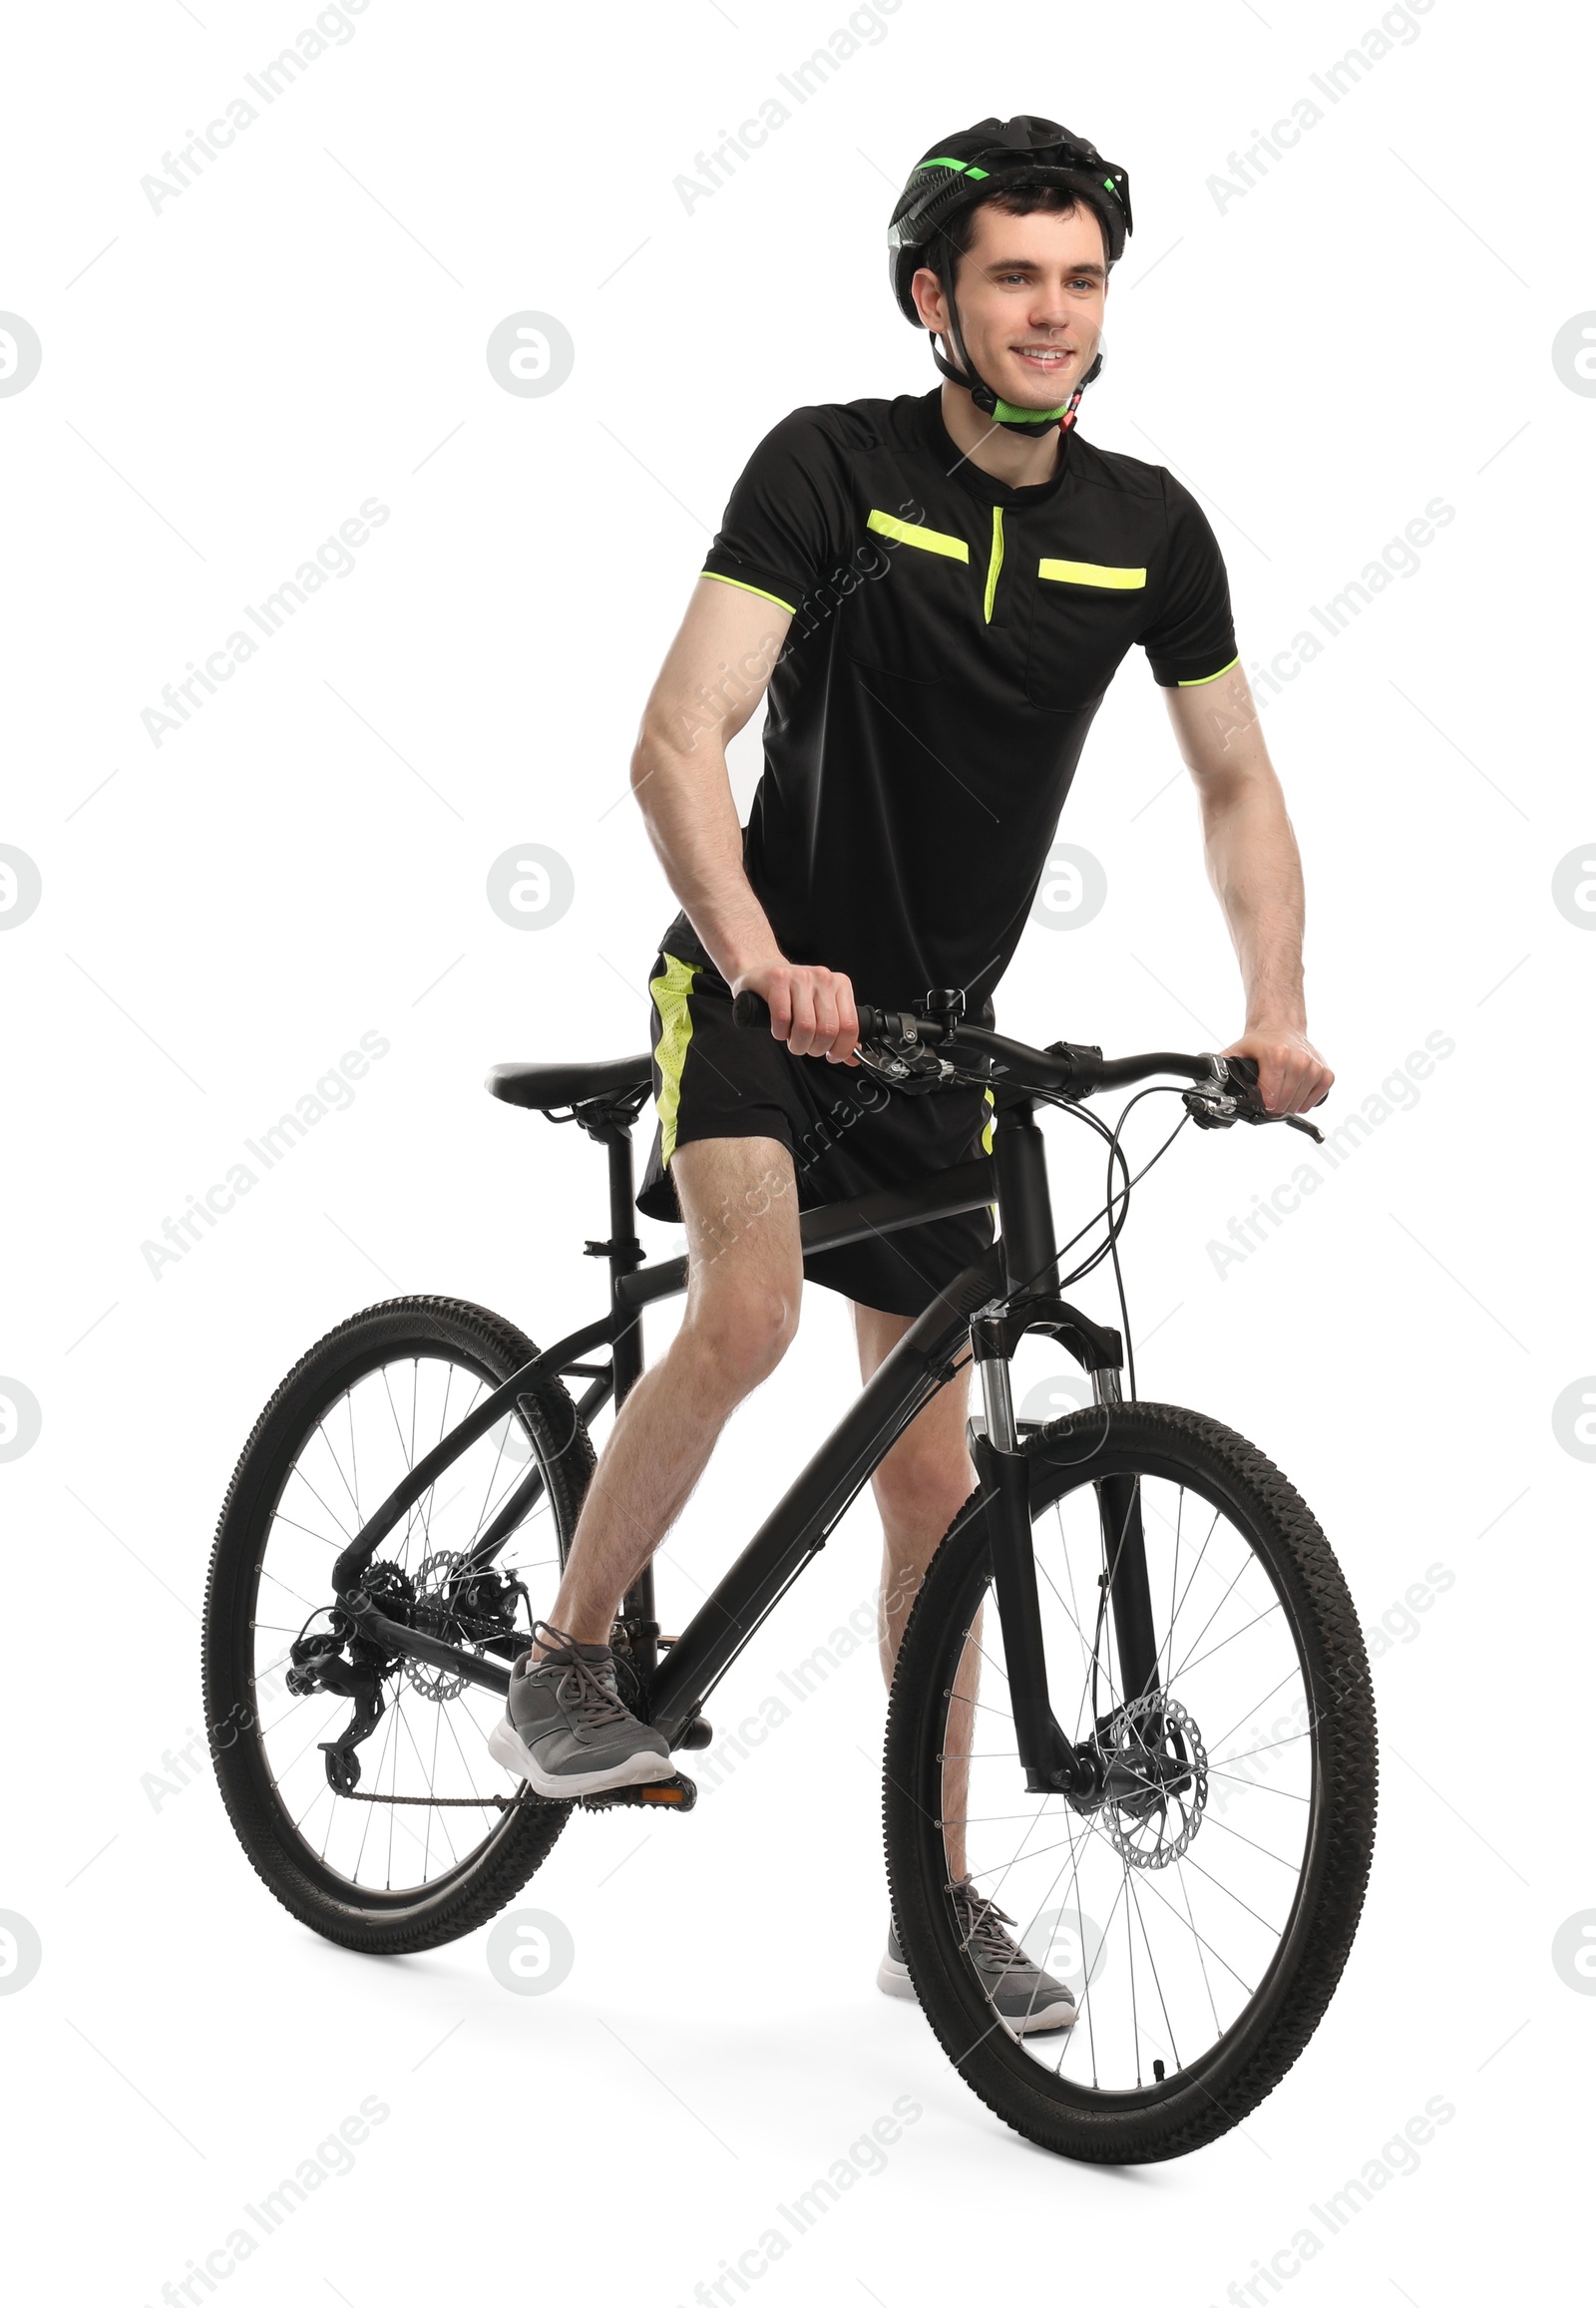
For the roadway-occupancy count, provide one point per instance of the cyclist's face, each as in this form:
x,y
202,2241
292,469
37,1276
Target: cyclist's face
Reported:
x,y
1030,295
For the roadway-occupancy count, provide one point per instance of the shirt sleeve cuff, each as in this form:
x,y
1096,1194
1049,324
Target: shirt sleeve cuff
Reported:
x,y
750,577
1193,672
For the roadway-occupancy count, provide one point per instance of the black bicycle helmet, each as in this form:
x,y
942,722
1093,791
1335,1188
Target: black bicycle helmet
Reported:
x,y
961,170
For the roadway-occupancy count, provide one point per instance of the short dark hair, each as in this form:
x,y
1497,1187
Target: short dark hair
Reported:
x,y
948,246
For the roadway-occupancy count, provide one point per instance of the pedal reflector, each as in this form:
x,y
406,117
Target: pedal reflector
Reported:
x,y
680,1793
675,1794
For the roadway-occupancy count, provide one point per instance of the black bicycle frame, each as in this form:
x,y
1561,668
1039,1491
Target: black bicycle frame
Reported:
x,y
1013,1288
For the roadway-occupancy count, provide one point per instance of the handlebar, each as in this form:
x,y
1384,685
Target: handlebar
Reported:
x,y
932,1046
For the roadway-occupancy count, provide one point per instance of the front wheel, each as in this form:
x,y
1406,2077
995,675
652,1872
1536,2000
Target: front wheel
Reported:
x,y
1201,1925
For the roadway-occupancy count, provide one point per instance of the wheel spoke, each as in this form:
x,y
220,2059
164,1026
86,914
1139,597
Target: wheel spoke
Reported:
x,y
1258,1786
321,1429
1190,1666
321,1502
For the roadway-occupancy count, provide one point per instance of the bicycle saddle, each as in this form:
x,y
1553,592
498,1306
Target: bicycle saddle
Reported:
x,y
542,1086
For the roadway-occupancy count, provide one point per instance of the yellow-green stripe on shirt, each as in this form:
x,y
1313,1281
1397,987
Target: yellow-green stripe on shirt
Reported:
x,y
911,533
746,588
1091,573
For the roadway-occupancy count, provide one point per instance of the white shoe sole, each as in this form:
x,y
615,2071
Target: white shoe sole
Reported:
x,y
1038,2023
509,1751
892,1979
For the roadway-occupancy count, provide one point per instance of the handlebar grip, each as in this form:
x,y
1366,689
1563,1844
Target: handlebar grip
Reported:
x,y
1243,1070
752,1009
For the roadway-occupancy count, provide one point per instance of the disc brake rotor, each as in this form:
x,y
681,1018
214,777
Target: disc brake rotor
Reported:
x,y
1156,1735
432,1614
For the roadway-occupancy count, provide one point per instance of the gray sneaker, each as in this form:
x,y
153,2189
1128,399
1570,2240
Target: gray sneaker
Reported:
x,y
1026,1998
565,1729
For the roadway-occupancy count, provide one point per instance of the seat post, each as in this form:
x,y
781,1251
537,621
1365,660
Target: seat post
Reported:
x,y
626,1252
638,1626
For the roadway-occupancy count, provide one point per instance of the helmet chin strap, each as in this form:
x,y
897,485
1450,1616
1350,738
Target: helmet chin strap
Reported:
x,y
1030,422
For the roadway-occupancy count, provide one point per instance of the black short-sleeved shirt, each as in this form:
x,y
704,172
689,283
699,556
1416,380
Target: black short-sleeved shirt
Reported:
x,y
952,640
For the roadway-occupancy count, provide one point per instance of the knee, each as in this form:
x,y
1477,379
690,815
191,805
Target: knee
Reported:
x,y
921,1494
742,1336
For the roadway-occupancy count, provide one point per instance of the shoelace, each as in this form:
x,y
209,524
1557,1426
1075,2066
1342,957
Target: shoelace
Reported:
x,y
587,1686
982,1922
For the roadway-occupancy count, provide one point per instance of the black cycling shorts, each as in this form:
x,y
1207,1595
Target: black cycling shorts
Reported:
x,y
848,1134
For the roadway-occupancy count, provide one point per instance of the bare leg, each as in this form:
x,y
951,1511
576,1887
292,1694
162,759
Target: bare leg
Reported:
x,y
744,1281
920,1486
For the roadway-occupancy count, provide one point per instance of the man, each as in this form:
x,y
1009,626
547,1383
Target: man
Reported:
x,y
936,592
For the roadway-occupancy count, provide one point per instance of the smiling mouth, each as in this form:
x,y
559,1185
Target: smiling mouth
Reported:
x,y
1044,357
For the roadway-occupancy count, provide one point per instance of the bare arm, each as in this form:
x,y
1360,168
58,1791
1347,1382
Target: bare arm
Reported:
x,y
1252,864
713,677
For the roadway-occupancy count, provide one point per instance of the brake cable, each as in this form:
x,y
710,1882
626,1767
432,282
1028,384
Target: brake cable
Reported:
x,y
1116,1226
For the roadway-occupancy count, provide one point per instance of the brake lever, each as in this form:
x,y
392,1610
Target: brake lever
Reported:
x,y
903,1061
1292,1121
1212,1107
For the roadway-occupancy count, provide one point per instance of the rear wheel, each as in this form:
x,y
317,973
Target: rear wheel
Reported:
x,y
413,1835
1202,1923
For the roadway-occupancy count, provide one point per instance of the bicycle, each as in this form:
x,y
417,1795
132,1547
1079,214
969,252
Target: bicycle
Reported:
x,y
1149,1568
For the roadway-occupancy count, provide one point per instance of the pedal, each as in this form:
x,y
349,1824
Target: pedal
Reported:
x,y
678,1794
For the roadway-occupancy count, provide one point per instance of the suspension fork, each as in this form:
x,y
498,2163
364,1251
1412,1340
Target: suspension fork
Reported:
x,y
1031,1273
1050,1761
1126,1567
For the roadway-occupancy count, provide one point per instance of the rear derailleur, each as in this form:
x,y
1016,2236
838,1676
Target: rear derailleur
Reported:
x,y
448,1598
316,1662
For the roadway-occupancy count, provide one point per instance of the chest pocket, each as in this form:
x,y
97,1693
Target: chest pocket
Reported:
x,y
912,611
1084,617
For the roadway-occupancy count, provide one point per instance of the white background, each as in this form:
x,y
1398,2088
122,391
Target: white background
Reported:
x,y
222,383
